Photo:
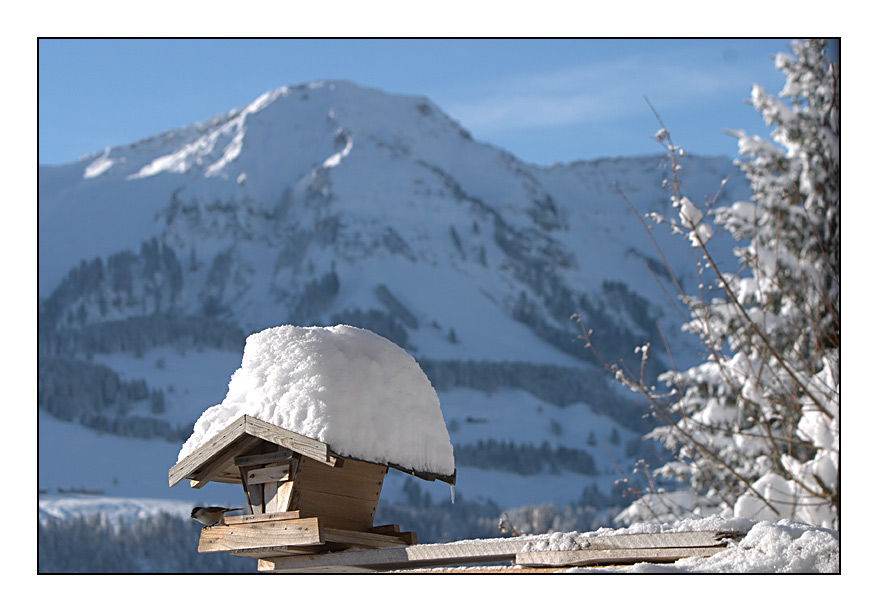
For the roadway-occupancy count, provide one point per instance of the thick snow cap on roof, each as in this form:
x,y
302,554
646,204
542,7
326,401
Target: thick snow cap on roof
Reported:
x,y
356,391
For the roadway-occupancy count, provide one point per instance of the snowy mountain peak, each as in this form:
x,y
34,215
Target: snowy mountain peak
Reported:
x,y
329,203
303,116
330,179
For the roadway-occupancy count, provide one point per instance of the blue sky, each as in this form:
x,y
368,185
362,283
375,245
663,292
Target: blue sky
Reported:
x,y
543,100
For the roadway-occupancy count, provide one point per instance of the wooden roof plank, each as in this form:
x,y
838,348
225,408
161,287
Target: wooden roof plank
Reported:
x,y
216,452
252,426
215,468
303,445
204,453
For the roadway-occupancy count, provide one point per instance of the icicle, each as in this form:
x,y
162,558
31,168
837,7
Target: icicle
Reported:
x,y
452,494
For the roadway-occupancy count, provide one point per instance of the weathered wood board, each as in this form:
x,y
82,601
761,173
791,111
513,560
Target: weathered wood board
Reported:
x,y
215,459
219,458
611,556
285,533
344,496
421,555
261,534
613,549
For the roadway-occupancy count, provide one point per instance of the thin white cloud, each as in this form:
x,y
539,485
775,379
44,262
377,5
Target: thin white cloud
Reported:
x,y
593,92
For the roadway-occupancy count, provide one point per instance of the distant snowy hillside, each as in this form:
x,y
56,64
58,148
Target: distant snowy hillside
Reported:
x,y
329,203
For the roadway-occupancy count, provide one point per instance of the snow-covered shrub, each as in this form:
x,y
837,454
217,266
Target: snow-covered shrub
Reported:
x,y
754,429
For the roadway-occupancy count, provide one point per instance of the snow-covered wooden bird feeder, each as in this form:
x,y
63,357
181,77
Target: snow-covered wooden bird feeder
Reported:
x,y
313,419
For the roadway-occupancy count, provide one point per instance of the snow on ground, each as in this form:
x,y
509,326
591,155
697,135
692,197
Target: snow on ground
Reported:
x,y
117,509
190,380
76,457
348,387
117,467
768,548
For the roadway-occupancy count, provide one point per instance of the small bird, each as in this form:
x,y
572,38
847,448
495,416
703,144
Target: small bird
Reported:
x,y
212,515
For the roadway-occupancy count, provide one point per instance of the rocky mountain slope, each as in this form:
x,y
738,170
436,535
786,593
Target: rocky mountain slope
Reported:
x,y
331,203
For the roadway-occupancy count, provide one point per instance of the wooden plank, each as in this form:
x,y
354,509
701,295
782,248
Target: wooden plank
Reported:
x,y
303,445
342,522
284,496
482,569
255,498
384,529
410,537
350,467
261,518
209,452
356,489
286,490
348,480
277,551
420,555
362,468
267,564
230,474
269,491
264,458
363,539
613,549
261,534
611,556
319,502
658,540
273,473
340,484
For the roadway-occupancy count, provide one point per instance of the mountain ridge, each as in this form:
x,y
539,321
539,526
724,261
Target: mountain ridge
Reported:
x,y
329,203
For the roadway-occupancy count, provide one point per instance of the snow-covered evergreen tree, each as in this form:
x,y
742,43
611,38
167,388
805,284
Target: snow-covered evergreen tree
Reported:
x,y
754,429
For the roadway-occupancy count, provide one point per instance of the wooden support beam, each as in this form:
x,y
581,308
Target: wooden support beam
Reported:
x,y
272,473
269,492
255,499
284,496
264,458
364,539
